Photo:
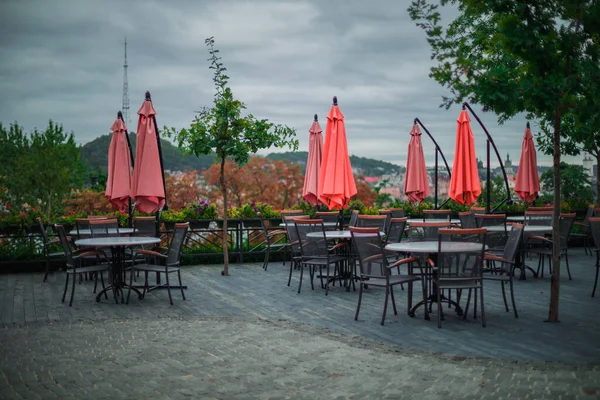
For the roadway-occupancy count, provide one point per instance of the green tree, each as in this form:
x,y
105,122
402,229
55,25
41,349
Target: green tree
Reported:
x,y
224,131
513,56
39,169
574,182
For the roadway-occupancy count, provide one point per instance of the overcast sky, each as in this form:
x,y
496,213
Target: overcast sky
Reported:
x,y
63,60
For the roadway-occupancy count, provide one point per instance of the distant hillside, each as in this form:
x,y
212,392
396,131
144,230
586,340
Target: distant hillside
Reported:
x,y
368,166
95,154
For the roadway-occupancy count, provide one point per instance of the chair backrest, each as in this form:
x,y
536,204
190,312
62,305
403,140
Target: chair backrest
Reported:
x,y
176,244
512,243
331,217
104,227
397,212
285,213
311,246
494,239
81,224
145,226
388,214
353,218
586,220
396,229
460,253
565,224
542,208
467,219
420,230
538,218
437,214
477,210
64,241
377,221
368,248
43,232
595,228
292,233
484,220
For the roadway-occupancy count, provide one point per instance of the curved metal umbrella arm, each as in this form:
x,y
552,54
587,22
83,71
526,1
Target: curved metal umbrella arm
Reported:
x,y
491,141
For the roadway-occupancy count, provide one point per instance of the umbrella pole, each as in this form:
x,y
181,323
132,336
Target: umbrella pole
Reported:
x,y
490,141
439,151
129,209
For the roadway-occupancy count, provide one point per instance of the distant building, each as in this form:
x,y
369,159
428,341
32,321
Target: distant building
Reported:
x,y
588,165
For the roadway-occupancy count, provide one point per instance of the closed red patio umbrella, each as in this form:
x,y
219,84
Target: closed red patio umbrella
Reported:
x,y
310,193
118,184
336,181
465,186
148,180
527,184
416,182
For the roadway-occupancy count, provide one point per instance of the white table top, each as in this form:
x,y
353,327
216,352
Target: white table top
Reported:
x,y
88,232
121,241
452,221
333,235
431,246
326,224
526,228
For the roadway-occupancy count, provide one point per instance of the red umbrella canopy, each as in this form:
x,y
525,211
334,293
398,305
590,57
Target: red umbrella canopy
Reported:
x,y
310,193
336,181
118,184
148,189
416,182
465,186
527,184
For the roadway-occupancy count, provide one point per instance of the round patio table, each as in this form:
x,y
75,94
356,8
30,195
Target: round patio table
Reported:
x,y
422,249
117,245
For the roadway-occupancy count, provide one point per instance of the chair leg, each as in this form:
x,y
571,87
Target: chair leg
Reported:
x,y
393,300
301,274
475,305
466,310
145,284
504,294
596,280
360,291
168,287
47,269
67,285
512,298
311,272
387,294
266,262
439,308
180,284
567,264
482,307
292,262
327,281
72,291
131,274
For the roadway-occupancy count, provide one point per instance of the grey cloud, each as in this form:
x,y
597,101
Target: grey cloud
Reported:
x,y
286,59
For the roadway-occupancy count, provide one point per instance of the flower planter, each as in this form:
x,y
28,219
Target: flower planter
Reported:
x,y
200,224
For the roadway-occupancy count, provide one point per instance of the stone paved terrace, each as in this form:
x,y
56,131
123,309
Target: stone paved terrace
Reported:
x,y
250,336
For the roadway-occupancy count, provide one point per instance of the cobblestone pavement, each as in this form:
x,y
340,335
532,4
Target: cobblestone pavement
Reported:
x,y
238,358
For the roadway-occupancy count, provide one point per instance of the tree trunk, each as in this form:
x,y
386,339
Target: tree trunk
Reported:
x,y
555,276
225,271
597,198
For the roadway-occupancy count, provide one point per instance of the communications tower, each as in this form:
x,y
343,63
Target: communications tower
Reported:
x,y
125,106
